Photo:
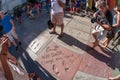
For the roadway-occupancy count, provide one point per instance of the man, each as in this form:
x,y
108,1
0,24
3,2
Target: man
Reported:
x,y
9,28
57,15
105,26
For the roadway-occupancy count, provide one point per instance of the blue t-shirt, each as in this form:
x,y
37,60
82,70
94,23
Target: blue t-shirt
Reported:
x,y
7,26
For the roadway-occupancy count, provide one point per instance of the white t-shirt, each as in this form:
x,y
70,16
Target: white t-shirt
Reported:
x,y
55,8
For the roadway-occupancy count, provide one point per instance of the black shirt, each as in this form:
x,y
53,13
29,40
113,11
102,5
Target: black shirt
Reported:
x,y
109,17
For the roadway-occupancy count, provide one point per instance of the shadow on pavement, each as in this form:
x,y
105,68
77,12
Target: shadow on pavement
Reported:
x,y
98,55
30,65
68,16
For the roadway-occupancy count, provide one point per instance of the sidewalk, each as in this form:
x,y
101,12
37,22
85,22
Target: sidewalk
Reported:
x,y
65,58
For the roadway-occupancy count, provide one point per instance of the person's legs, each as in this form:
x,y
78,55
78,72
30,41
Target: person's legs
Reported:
x,y
60,22
14,34
11,39
53,19
96,41
54,27
47,7
62,28
38,11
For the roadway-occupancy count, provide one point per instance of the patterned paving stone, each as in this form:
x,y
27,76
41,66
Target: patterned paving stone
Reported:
x,y
59,61
36,42
97,62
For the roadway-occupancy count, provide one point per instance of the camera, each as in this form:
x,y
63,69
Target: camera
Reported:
x,y
93,20
100,19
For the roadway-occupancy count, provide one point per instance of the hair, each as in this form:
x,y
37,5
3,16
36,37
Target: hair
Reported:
x,y
101,3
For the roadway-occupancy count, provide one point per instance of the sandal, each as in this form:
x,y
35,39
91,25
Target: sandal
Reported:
x,y
61,35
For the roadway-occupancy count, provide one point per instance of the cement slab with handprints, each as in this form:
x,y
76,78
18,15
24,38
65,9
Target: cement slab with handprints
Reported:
x,y
59,61
35,42
98,62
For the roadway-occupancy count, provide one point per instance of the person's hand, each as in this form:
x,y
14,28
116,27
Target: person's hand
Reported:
x,y
98,22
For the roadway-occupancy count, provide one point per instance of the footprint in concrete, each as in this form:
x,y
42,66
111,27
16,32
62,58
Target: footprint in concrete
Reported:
x,y
65,66
55,69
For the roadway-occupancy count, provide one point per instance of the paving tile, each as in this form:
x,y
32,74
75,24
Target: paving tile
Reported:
x,y
27,40
59,61
36,42
116,72
69,40
83,76
98,63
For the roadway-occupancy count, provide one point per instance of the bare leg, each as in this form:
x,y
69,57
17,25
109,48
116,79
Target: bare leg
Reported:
x,y
96,41
62,28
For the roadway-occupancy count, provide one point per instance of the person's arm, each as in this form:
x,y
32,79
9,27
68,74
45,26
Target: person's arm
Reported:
x,y
95,15
13,26
61,3
118,21
105,26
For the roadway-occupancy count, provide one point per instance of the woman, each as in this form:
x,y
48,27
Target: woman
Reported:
x,y
29,11
37,7
116,25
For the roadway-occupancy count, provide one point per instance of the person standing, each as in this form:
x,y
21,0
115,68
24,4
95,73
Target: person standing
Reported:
x,y
47,5
88,7
57,15
9,28
116,26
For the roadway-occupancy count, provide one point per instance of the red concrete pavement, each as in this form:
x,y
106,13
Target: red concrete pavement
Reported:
x,y
59,61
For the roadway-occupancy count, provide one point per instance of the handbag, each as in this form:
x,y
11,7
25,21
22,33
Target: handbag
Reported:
x,y
50,24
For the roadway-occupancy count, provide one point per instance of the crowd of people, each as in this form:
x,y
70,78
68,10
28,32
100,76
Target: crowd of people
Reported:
x,y
106,17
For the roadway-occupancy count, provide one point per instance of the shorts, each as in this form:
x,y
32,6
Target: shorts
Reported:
x,y
57,18
100,33
11,35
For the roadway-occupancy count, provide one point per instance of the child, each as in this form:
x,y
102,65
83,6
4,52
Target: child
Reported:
x,y
17,14
37,7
